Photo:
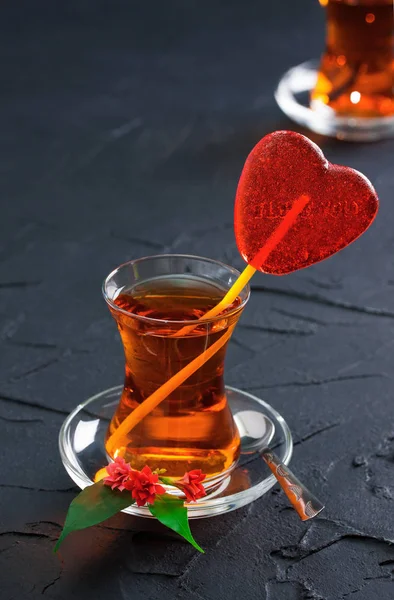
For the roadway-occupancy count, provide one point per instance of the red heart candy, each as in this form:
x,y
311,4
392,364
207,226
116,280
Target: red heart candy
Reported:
x,y
293,208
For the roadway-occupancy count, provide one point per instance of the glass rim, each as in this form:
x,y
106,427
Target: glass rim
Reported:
x,y
185,322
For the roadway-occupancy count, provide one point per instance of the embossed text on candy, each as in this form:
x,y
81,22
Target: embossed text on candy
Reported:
x,y
271,210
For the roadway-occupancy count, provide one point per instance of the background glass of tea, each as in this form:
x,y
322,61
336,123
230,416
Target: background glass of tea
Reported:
x,y
349,92
356,71
152,300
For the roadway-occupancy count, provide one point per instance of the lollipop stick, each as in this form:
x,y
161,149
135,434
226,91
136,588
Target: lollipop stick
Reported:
x,y
176,380
237,287
276,236
226,301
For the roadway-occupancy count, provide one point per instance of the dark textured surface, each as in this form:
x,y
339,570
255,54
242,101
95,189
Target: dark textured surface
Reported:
x,y
124,127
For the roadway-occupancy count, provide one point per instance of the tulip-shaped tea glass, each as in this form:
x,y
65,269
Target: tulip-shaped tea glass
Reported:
x,y
158,304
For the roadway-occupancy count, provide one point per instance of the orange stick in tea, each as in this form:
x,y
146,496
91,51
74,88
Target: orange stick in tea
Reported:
x,y
167,388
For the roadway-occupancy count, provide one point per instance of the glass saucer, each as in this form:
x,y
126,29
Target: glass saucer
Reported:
x,y
292,96
81,444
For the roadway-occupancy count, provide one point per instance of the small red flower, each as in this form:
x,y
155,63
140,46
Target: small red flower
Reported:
x,y
144,486
118,474
191,485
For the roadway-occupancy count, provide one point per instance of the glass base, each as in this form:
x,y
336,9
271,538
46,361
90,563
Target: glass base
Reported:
x,y
292,96
81,444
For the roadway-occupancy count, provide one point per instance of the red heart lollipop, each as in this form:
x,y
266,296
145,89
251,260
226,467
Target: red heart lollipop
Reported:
x,y
293,208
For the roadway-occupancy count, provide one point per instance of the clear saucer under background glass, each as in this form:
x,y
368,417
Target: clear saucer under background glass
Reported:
x,y
292,96
81,443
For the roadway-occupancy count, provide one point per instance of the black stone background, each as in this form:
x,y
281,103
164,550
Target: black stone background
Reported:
x,y
124,127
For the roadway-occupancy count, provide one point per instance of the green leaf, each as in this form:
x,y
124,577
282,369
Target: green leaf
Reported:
x,y
171,511
93,505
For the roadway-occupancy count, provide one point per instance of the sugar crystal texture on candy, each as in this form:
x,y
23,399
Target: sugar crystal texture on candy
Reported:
x,y
327,206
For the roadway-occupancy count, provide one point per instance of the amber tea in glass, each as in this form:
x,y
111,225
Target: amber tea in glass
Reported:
x,y
152,301
356,74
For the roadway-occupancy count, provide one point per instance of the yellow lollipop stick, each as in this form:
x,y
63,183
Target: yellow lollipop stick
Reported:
x,y
276,236
227,300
